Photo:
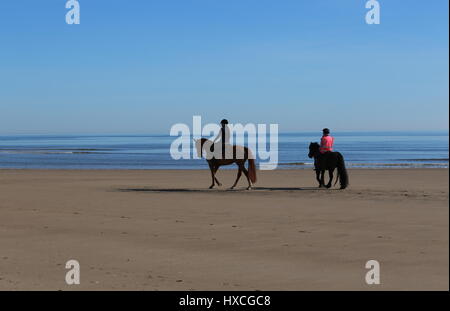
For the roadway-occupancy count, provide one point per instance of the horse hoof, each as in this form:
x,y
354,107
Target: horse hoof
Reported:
x,y
211,187
249,188
220,185
328,186
231,188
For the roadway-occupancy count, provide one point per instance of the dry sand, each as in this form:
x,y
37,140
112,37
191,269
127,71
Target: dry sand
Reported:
x,y
163,230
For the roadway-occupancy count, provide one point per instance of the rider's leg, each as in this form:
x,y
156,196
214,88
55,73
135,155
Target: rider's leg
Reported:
x,y
223,149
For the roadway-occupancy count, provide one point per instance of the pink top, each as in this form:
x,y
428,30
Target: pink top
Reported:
x,y
326,144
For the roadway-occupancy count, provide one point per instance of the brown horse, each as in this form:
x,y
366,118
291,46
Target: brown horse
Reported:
x,y
240,155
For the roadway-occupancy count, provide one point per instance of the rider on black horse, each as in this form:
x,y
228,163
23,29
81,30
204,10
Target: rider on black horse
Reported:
x,y
326,146
325,159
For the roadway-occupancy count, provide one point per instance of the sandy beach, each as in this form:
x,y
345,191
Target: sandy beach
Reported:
x,y
164,230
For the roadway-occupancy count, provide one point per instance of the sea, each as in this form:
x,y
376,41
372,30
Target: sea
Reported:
x,y
360,150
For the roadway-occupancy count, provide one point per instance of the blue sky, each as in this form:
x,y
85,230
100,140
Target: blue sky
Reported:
x,y
140,66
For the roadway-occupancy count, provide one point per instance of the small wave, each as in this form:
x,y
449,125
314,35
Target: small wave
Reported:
x,y
423,160
374,165
408,165
296,163
48,152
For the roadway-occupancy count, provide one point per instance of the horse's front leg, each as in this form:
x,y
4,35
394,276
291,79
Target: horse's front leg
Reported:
x,y
215,178
318,176
322,179
212,175
330,172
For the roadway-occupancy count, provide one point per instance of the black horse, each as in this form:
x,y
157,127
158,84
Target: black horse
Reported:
x,y
328,161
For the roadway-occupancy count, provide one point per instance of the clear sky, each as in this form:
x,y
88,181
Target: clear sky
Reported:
x,y
140,66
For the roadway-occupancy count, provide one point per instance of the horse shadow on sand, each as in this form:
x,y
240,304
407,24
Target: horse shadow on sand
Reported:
x,y
243,190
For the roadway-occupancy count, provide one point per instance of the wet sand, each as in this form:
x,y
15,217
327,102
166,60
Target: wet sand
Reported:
x,y
164,230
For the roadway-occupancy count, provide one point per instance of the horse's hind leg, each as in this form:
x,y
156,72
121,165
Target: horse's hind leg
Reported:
x,y
248,178
330,172
237,178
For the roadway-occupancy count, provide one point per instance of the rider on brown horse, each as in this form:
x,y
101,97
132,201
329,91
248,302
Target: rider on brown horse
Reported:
x,y
223,137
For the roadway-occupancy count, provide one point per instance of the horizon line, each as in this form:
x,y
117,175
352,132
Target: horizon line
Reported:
x,y
167,134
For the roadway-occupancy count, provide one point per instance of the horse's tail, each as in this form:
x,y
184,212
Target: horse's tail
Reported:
x,y
251,166
342,172
337,178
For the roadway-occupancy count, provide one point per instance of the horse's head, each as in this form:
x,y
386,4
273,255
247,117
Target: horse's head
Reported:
x,y
313,150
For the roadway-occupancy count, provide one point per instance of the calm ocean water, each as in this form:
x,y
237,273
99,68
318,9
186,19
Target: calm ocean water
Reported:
x,y
371,150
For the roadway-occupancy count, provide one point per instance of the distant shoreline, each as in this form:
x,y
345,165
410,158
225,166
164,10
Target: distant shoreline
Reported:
x,y
361,150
